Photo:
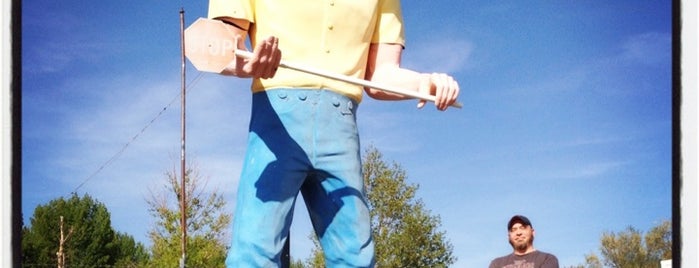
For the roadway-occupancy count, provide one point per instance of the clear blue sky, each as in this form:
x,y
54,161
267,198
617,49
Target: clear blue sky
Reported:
x,y
567,116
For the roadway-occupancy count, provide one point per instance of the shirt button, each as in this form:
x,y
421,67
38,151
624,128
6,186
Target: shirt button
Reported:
x,y
330,27
332,4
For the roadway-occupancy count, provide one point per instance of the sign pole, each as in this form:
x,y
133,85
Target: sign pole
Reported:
x,y
183,195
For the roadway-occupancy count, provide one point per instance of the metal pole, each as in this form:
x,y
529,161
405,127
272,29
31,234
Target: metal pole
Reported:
x,y
183,199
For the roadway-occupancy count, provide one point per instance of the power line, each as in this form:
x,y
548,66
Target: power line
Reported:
x,y
123,148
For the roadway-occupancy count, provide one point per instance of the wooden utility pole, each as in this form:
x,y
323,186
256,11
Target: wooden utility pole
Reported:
x,y
61,256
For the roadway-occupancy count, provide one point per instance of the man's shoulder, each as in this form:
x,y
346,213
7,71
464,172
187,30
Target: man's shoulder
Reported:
x,y
546,259
500,260
543,253
536,257
504,257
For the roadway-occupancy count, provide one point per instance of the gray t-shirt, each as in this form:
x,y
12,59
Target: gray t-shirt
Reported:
x,y
536,259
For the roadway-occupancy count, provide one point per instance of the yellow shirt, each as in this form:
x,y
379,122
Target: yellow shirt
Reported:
x,y
332,35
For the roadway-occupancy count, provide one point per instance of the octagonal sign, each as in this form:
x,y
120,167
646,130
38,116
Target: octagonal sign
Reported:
x,y
209,45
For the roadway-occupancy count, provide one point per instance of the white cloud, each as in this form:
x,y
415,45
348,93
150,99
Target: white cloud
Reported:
x,y
583,171
113,139
651,48
47,50
447,56
381,127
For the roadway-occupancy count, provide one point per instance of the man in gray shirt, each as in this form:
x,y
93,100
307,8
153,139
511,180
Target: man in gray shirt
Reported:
x,y
521,237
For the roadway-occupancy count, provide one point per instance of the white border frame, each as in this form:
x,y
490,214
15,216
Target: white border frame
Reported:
x,y
689,202
5,135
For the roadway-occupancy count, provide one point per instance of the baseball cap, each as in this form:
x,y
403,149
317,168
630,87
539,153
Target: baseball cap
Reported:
x,y
518,218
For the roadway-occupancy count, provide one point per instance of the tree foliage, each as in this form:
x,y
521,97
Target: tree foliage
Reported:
x,y
631,248
207,223
89,239
297,264
316,260
134,254
404,231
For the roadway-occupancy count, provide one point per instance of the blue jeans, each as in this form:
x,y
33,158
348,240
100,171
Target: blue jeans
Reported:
x,y
307,141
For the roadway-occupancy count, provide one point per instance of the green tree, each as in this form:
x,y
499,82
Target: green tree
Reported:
x,y
207,223
591,261
316,259
133,254
404,231
89,239
632,249
297,264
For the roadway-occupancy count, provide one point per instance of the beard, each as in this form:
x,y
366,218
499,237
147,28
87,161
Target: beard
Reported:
x,y
522,245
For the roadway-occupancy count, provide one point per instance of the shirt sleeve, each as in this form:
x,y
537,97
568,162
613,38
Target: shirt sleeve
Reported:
x,y
498,262
239,9
550,262
389,27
